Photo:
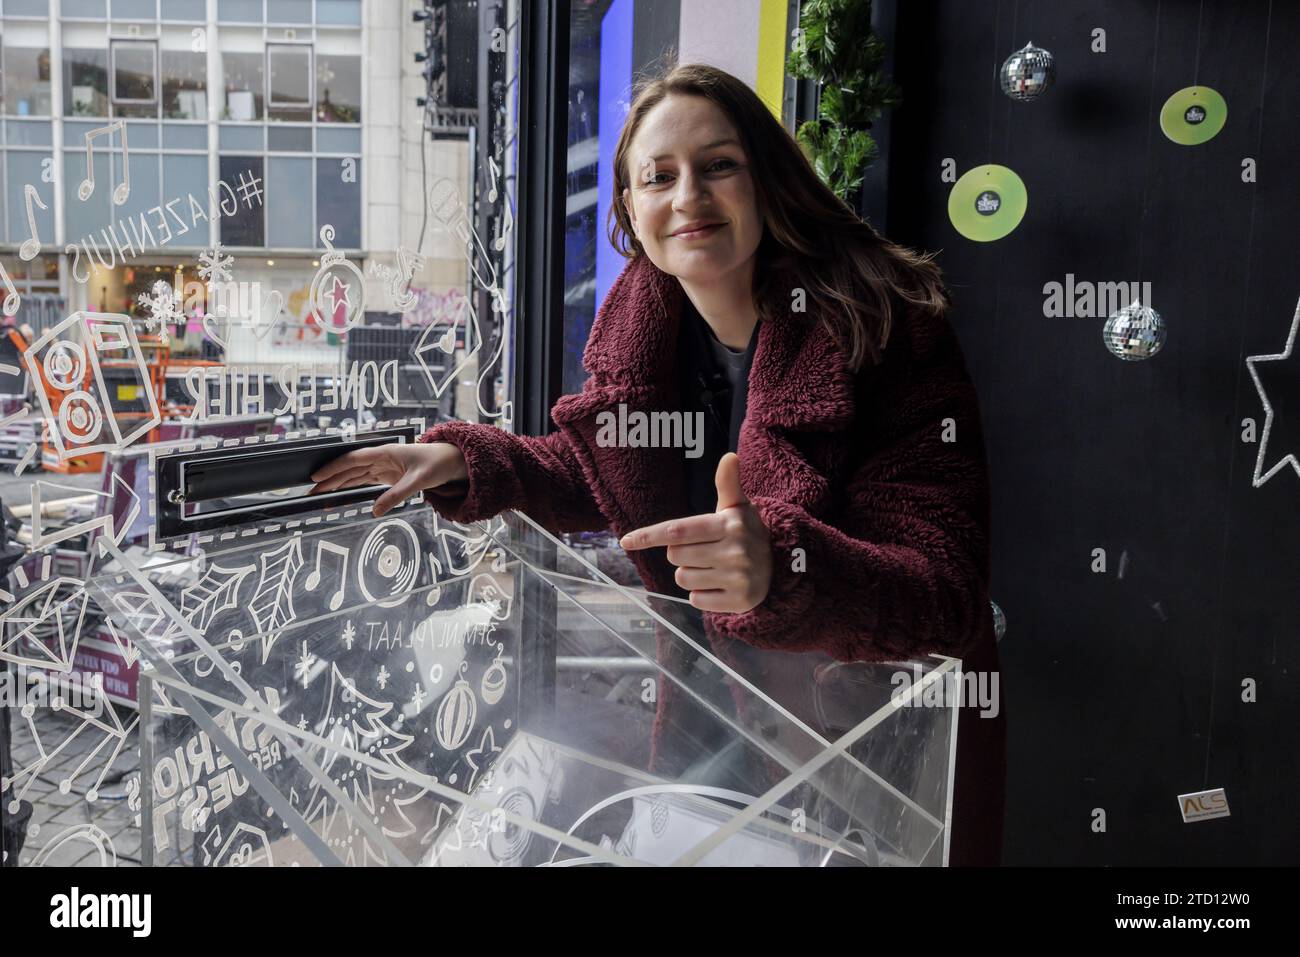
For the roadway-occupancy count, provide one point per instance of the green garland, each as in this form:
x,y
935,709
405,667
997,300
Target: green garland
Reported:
x,y
835,46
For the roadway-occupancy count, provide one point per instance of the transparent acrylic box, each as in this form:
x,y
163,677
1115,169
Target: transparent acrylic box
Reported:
x,y
406,690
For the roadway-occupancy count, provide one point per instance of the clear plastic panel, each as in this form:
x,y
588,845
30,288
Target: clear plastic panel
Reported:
x,y
406,690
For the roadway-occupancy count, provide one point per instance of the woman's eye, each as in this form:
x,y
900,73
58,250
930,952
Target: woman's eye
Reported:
x,y
723,164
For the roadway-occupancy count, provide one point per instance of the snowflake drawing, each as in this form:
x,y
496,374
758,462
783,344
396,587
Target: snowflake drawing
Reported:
x,y
302,670
161,306
215,265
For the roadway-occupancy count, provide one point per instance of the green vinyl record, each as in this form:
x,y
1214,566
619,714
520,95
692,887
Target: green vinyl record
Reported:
x,y
1193,115
987,203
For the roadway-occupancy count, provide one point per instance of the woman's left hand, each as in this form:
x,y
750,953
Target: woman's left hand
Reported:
x,y
725,559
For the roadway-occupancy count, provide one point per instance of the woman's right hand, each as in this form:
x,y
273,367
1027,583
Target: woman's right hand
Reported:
x,y
406,467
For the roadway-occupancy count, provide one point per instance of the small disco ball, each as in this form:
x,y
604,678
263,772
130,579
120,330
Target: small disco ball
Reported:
x,y
999,621
1027,73
1135,332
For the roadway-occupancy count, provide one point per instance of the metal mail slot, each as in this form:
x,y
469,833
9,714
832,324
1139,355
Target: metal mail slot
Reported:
x,y
221,477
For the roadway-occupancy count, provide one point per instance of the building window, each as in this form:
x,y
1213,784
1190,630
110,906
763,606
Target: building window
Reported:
x,y
85,82
184,86
247,225
26,81
244,86
289,203
338,88
135,77
338,199
289,81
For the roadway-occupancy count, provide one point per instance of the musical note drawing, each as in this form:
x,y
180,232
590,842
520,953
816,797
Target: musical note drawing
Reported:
x,y
30,247
495,171
313,579
507,223
87,187
12,299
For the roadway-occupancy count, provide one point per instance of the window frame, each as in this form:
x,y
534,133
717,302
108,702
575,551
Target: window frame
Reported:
x,y
308,104
114,44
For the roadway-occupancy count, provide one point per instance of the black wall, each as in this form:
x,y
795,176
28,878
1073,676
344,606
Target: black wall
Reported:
x,y
1124,689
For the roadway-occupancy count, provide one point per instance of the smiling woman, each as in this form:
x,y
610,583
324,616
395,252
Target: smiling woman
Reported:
x,y
700,149
691,206
841,501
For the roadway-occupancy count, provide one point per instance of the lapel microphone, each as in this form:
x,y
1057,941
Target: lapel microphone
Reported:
x,y
713,387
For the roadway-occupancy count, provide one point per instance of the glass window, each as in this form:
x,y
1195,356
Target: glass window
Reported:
x,y
178,137
143,135
135,77
186,175
242,137
288,11
338,139
84,8
26,81
143,169
244,86
609,48
289,139
39,133
239,11
338,88
85,82
184,85
289,76
27,8
134,9
338,11
338,199
84,217
23,168
246,226
288,202
184,10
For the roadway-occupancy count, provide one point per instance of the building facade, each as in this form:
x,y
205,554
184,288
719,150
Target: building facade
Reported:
x,y
148,141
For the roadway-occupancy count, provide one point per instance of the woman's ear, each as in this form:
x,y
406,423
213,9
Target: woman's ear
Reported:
x,y
631,213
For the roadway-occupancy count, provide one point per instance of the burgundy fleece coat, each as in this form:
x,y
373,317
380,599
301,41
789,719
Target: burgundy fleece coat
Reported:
x,y
853,469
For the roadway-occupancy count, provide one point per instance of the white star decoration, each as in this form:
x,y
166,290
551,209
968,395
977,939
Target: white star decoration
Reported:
x,y
1289,458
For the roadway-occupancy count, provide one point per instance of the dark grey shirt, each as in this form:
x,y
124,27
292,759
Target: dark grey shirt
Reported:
x,y
730,361
714,381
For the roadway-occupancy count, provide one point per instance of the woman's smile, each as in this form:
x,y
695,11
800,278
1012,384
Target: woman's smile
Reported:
x,y
703,232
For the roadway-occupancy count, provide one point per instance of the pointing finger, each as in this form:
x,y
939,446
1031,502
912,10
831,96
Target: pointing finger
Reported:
x,y
675,531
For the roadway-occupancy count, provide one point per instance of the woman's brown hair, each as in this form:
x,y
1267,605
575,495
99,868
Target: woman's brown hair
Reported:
x,y
854,276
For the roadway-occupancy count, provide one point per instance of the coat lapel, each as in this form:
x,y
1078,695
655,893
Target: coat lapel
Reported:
x,y
798,383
